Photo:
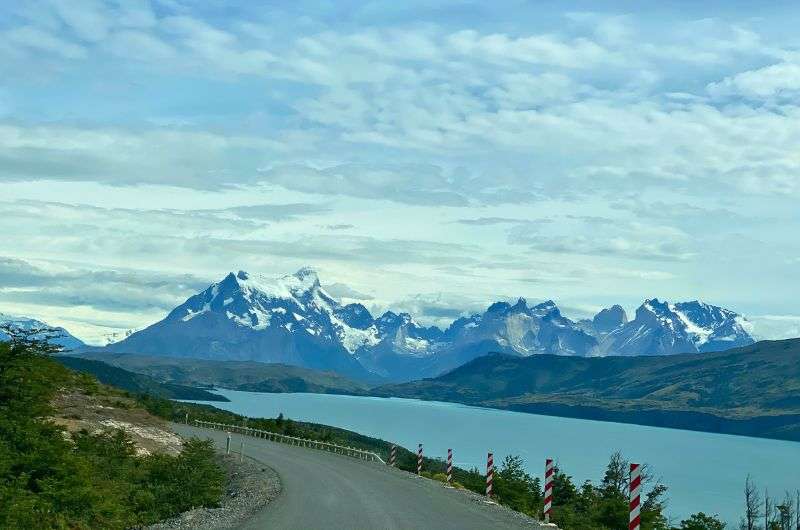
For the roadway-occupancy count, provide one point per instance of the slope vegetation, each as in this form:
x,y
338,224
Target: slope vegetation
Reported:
x,y
135,383
752,390
77,454
237,375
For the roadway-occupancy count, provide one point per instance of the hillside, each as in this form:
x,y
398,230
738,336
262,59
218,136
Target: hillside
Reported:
x,y
135,383
752,390
77,454
236,375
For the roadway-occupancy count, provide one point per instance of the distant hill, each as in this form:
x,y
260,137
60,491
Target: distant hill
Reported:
x,y
753,390
135,383
237,375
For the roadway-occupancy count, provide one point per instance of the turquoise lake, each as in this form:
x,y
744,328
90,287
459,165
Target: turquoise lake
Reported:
x,y
704,472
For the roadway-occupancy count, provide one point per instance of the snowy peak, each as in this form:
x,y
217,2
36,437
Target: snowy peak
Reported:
x,y
63,338
355,315
523,330
684,327
609,319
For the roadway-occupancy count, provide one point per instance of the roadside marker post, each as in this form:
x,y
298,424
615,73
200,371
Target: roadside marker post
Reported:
x,y
241,452
549,471
393,455
419,460
187,418
635,495
489,474
449,467
228,445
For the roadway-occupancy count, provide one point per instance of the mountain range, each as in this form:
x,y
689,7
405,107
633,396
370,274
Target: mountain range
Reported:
x,y
295,321
62,337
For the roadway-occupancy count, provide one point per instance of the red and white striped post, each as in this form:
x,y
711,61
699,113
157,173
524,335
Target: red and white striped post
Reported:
x,y
449,466
419,460
635,494
393,455
549,471
489,474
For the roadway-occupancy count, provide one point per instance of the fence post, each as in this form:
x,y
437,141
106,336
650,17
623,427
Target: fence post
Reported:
x,y
489,474
228,445
635,492
449,467
419,460
548,489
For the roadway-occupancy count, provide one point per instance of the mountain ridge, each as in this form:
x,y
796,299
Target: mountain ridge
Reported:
x,y
292,319
63,338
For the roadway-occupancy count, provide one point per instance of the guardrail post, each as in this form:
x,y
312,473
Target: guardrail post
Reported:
x,y
449,467
548,489
489,474
635,488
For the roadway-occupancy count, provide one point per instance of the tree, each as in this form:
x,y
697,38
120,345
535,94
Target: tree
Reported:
x,y
752,505
701,521
515,488
616,477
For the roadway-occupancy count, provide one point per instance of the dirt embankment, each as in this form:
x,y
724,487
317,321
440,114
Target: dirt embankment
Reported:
x,y
76,411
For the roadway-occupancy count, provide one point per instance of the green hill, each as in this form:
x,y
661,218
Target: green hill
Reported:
x,y
237,375
135,383
754,390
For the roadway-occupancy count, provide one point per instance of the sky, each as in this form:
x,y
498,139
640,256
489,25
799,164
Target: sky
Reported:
x,y
430,157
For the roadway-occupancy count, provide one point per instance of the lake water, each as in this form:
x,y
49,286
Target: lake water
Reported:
x,y
704,472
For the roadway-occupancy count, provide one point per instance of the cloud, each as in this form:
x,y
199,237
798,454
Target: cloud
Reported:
x,y
104,290
490,221
629,240
406,183
340,290
776,80
277,212
182,158
39,40
775,326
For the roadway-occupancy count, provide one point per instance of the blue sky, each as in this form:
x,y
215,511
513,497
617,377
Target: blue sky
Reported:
x,y
423,156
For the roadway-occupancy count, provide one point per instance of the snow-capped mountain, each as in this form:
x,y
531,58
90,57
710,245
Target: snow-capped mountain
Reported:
x,y
245,316
524,330
63,338
662,328
293,320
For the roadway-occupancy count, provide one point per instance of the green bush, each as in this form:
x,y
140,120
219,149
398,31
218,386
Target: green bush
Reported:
x,y
88,480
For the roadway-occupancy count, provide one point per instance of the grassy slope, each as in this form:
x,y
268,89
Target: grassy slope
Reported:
x,y
751,390
135,383
85,478
238,375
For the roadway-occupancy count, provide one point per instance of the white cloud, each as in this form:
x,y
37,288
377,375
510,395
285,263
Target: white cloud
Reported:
x,y
37,39
776,80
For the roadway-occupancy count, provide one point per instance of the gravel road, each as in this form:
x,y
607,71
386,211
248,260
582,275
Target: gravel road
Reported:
x,y
321,490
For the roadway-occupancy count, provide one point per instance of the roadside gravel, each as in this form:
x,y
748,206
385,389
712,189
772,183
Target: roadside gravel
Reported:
x,y
250,486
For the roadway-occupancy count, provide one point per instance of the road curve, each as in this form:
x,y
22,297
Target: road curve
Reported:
x,y
327,491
